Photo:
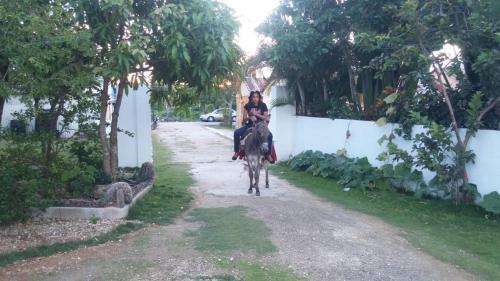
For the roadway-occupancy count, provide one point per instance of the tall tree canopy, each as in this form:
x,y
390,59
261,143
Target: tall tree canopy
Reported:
x,y
161,42
362,51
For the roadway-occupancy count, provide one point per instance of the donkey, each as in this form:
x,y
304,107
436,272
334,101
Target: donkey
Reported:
x,y
255,150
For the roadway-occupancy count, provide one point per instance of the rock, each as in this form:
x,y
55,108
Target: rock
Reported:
x,y
120,198
118,192
100,190
147,171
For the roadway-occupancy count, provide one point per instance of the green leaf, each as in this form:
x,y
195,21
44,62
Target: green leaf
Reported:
x,y
186,55
381,122
391,98
382,139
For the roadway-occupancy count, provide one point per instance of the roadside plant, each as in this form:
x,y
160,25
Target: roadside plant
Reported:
x,y
349,172
435,150
31,180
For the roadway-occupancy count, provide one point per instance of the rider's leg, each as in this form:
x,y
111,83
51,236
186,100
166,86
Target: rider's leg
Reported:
x,y
237,136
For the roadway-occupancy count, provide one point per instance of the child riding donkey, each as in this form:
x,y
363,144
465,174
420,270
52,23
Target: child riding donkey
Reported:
x,y
255,111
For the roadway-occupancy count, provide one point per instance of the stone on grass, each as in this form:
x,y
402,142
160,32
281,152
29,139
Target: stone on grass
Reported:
x,y
119,193
147,171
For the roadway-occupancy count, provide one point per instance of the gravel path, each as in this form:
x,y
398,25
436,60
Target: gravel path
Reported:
x,y
315,239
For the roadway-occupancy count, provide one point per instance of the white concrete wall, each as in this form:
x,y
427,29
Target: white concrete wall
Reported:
x,y
12,106
135,117
282,125
295,134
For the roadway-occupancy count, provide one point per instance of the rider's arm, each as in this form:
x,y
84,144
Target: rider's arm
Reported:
x,y
263,116
245,116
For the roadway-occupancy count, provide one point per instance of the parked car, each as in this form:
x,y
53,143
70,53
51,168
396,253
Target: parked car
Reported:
x,y
216,115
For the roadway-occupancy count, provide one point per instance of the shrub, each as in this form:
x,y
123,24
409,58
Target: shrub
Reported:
x,y
88,151
37,169
433,150
491,202
350,172
15,199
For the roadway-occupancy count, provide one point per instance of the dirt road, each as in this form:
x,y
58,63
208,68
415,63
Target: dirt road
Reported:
x,y
309,239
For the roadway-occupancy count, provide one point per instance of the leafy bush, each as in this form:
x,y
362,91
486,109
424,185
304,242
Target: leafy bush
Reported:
x,y
305,160
434,150
404,179
34,173
350,172
491,202
89,152
15,199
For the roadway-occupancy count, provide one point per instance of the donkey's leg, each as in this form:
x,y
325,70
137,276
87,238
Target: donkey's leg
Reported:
x,y
256,175
267,175
250,175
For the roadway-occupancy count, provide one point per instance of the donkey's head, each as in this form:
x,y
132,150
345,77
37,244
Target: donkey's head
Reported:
x,y
262,133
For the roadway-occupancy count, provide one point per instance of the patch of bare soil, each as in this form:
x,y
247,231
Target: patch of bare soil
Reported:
x,y
49,231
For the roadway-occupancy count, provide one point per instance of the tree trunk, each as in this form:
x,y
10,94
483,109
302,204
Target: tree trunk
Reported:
x,y
2,103
3,77
325,91
352,78
106,159
113,137
230,106
302,97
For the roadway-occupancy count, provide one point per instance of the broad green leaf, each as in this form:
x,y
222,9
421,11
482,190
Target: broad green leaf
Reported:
x,y
381,121
391,98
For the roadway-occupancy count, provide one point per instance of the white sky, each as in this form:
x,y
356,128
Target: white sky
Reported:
x,y
251,13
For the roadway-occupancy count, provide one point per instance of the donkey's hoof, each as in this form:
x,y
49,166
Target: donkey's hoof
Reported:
x,y
257,193
250,191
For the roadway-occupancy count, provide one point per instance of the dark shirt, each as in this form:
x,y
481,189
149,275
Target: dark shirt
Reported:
x,y
252,108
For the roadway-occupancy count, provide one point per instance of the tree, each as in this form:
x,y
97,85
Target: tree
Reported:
x,y
385,58
142,42
42,46
318,41
46,63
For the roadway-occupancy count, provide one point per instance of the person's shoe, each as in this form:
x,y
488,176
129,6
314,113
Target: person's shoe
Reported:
x,y
235,156
270,159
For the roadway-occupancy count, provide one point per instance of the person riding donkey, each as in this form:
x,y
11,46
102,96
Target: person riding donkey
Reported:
x,y
255,111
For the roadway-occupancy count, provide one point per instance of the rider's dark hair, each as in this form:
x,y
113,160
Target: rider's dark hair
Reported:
x,y
253,93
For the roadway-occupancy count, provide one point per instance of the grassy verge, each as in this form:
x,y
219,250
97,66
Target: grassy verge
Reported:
x,y
254,271
226,231
462,235
229,229
224,126
168,198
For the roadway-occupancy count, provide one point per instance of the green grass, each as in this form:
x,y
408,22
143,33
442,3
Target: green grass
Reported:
x,y
170,196
230,229
224,126
251,271
216,278
463,235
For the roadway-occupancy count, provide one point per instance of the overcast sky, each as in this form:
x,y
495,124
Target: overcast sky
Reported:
x,y
251,13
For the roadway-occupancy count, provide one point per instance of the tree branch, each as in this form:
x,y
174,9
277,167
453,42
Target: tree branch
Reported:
x,y
488,108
